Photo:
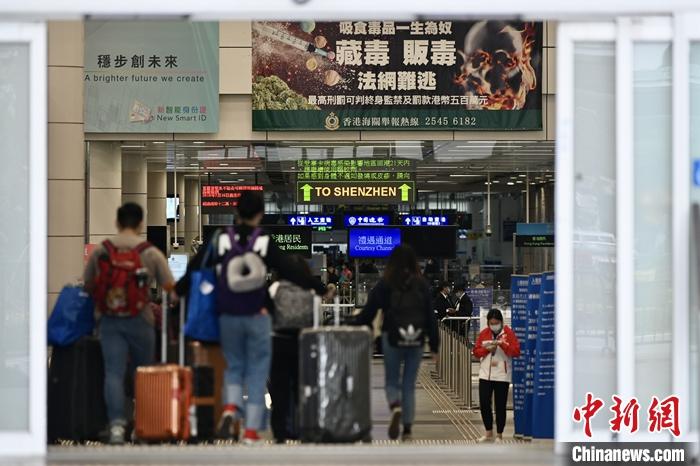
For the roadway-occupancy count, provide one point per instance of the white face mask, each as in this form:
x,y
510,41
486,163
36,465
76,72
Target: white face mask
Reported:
x,y
496,328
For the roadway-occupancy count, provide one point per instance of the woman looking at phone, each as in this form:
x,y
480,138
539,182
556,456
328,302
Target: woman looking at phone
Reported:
x,y
496,346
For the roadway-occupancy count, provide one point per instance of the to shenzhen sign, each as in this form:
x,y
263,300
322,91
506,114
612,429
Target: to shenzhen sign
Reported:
x,y
327,192
151,77
390,75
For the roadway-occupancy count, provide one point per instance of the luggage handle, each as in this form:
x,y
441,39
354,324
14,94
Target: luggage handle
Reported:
x,y
317,311
164,331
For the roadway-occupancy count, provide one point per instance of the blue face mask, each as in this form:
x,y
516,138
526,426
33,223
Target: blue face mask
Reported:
x,y
496,328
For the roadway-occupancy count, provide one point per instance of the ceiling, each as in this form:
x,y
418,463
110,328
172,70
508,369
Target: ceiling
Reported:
x,y
450,166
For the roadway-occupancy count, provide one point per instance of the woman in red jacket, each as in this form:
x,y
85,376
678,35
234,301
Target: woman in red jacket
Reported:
x,y
496,346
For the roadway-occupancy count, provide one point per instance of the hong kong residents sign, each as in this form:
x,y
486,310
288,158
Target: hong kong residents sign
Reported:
x,y
386,75
151,77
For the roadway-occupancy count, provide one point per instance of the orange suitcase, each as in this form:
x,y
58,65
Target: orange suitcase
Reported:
x,y
163,398
164,395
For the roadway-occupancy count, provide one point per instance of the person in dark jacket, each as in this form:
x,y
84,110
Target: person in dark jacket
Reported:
x,y
245,337
284,372
402,276
443,304
465,307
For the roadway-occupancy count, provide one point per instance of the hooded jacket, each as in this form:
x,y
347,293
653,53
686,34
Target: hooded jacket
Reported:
x,y
497,366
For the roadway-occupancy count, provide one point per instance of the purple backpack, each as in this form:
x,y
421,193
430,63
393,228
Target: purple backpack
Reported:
x,y
242,285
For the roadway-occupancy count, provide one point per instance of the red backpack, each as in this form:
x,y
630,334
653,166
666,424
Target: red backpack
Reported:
x,y
121,288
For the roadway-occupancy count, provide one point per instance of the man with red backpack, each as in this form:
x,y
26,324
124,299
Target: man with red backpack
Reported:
x,y
119,276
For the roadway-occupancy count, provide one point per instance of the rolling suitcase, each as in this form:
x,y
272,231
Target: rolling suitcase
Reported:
x,y
334,379
164,395
76,407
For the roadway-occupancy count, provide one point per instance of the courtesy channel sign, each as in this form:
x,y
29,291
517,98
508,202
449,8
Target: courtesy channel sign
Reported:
x,y
379,192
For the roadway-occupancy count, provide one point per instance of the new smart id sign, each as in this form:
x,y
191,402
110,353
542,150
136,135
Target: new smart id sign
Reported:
x,y
373,242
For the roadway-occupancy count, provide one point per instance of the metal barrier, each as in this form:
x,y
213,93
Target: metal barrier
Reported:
x,y
340,312
454,369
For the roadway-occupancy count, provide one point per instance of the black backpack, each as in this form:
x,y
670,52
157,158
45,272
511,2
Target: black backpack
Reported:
x,y
407,318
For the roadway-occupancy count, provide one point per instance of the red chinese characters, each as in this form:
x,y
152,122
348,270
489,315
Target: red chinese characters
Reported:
x,y
662,415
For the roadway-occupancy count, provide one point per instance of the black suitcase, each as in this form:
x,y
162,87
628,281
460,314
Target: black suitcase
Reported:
x,y
76,407
334,380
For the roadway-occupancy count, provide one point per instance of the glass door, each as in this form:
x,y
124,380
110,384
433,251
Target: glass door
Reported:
x,y
23,255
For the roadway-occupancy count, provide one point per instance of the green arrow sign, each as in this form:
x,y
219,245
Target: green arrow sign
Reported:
x,y
307,192
404,188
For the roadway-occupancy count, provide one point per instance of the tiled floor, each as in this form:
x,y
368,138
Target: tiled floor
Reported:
x,y
444,434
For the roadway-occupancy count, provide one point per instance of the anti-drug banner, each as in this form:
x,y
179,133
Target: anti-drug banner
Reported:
x,y
519,298
530,346
388,75
151,77
543,394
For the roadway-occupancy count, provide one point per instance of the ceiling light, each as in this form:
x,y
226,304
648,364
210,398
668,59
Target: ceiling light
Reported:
x,y
194,164
519,181
132,147
458,175
241,179
158,142
487,183
522,175
223,164
180,155
532,183
233,173
510,183
496,181
438,181
197,142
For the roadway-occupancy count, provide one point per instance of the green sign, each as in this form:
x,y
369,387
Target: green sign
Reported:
x,y
151,77
356,170
355,192
390,75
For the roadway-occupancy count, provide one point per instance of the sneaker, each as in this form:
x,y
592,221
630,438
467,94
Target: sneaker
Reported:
x,y
251,437
406,437
485,439
229,426
117,433
498,440
395,423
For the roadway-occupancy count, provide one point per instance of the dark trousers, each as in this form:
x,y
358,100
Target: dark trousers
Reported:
x,y
486,390
284,385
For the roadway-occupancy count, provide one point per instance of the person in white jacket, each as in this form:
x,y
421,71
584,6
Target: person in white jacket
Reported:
x,y
496,346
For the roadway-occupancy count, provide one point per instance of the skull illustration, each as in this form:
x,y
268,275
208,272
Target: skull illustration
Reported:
x,y
497,71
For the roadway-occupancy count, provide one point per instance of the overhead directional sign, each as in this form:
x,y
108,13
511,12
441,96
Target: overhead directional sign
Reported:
x,y
365,220
360,192
310,220
425,220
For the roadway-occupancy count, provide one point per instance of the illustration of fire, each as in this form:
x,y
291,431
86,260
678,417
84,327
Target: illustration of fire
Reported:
x,y
497,65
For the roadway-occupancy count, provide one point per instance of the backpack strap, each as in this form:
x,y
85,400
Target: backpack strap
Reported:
x,y
236,247
142,247
109,246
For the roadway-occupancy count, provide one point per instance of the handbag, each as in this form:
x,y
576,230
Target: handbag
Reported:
x,y
202,317
294,306
73,317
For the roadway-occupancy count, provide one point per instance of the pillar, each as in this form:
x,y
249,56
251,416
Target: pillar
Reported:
x,y
156,199
104,189
191,223
66,156
135,182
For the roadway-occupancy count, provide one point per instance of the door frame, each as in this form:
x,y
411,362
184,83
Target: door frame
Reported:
x,y
33,441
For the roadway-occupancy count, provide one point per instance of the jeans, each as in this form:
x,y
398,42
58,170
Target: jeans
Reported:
x,y
246,344
401,392
121,338
486,389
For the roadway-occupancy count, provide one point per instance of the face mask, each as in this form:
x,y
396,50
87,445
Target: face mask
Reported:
x,y
496,328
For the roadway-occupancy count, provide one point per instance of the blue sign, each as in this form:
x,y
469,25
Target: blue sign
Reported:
x,y
367,220
543,395
481,298
425,220
373,242
696,172
529,344
534,229
518,297
306,220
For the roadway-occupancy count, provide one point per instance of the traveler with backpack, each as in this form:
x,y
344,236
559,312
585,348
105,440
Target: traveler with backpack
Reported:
x,y
242,256
293,311
404,297
118,275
